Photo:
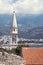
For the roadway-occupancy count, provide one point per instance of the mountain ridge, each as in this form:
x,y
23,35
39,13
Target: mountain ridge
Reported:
x,y
27,25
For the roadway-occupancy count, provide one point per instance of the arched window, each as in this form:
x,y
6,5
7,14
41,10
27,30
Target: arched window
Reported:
x,y
14,29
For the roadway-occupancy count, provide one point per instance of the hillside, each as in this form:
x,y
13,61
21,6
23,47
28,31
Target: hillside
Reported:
x,y
30,26
32,33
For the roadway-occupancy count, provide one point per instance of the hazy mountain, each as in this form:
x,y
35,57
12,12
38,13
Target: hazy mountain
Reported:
x,y
32,33
30,26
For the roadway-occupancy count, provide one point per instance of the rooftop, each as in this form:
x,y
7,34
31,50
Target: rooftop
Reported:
x,y
33,55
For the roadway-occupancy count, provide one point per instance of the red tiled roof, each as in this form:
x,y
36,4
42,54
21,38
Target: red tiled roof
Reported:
x,y
33,55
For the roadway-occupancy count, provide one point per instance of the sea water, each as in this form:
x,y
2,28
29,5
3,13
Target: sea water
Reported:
x,y
35,44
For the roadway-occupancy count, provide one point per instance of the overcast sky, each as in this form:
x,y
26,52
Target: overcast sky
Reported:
x,y
21,6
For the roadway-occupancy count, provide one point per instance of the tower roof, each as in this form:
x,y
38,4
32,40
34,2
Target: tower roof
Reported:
x,y
14,20
14,24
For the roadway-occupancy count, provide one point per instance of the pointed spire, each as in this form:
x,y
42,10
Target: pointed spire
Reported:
x,y
14,20
14,24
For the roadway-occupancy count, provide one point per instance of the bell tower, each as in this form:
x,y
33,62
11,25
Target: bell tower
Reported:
x,y
14,31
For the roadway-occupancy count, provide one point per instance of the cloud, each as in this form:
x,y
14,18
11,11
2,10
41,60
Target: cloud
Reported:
x,y
5,6
29,6
21,6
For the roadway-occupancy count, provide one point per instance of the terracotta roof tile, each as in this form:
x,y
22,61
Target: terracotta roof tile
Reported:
x,y
33,55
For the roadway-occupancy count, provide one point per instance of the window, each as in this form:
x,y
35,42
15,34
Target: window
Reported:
x,y
14,29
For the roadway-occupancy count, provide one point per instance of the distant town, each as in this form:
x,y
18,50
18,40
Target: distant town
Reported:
x,y
19,51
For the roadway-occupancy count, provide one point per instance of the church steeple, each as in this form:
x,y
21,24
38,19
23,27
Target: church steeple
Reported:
x,y
14,24
14,29
14,20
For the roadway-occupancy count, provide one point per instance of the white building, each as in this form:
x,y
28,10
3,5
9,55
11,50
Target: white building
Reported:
x,y
14,31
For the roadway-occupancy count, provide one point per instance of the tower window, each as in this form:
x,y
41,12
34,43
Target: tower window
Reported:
x,y
14,29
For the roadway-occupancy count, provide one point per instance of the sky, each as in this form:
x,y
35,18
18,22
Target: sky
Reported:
x,y
21,6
